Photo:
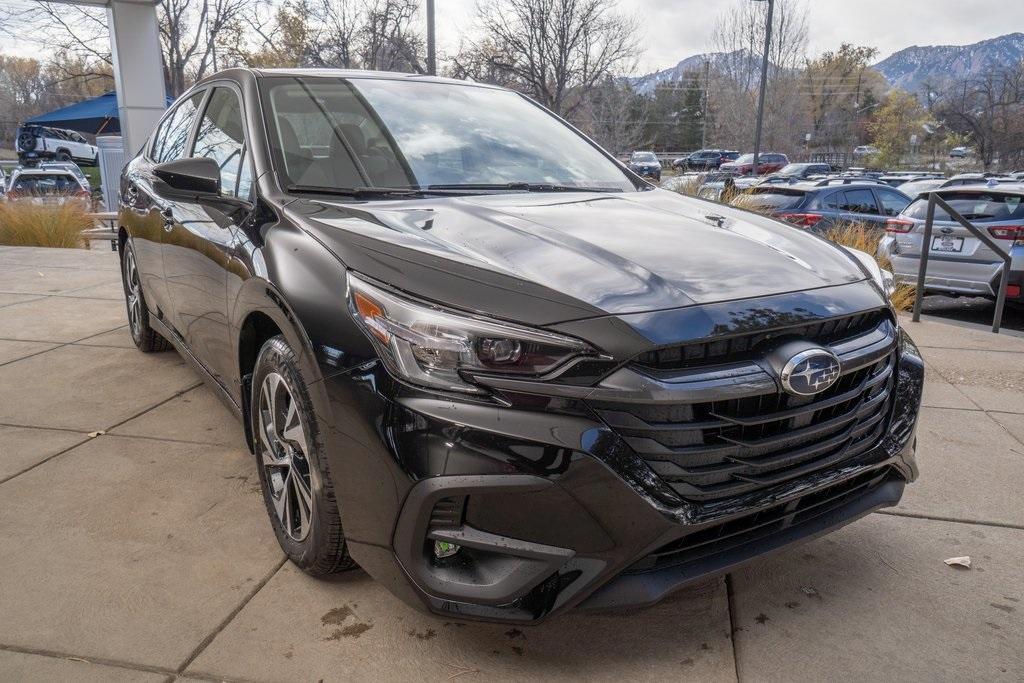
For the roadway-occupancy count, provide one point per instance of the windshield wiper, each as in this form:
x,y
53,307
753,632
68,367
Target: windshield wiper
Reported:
x,y
522,187
369,191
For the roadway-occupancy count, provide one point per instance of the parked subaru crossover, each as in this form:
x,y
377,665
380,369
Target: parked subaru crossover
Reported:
x,y
822,204
959,262
477,356
645,165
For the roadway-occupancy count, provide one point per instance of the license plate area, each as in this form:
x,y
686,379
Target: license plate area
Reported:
x,y
947,244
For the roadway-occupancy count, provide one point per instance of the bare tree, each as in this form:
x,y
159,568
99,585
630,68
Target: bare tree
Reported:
x,y
738,40
556,51
189,33
989,110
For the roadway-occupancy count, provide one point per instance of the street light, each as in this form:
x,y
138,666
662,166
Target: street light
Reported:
x,y
764,83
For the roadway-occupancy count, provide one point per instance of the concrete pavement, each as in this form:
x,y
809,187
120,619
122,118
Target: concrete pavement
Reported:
x,y
134,544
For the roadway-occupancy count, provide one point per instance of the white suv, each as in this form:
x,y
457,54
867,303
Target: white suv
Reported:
x,y
43,142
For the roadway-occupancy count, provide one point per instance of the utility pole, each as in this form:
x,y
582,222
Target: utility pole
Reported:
x,y
764,84
704,110
431,40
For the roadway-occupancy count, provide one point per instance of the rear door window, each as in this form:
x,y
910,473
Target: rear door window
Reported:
x,y
858,201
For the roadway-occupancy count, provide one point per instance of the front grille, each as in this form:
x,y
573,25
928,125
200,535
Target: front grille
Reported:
x,y
745,346
746,530
711,450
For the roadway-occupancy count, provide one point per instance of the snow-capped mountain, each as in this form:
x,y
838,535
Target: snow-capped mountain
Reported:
x,y
645,85
910,68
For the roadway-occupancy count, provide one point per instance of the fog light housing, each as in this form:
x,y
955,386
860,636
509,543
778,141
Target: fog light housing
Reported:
x,y
443,549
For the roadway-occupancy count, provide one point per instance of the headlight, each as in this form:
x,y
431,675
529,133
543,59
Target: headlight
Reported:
x,y
883,278
432,347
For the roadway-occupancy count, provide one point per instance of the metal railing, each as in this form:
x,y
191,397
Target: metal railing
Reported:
x,y
926,247
106,228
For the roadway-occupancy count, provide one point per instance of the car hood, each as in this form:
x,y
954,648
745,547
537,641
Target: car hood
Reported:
x,y
578,255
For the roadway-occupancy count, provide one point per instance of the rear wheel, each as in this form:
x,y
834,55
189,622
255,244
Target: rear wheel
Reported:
x,y
62,155
145,337
294,475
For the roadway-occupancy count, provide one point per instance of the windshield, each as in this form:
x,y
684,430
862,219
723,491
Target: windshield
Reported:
x,y
745,159
791,169
404,133
643,157
38,183
974,206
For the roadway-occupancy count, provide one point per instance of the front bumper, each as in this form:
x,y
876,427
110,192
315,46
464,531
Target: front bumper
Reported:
x,y
552,509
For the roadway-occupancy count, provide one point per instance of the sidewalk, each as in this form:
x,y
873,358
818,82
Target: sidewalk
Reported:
x,y
134,544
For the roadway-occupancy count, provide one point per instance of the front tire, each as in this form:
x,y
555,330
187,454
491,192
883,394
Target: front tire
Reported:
x,y
294,475
145,337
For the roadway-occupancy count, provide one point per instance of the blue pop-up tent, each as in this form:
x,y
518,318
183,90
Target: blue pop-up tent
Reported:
x,y
95,116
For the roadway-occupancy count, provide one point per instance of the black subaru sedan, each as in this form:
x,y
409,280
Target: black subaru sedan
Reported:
x,y
479,358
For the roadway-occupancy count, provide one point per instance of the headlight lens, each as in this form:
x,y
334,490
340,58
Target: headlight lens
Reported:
x,y
432,347
883,278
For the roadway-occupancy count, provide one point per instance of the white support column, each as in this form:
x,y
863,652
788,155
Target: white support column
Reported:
x,y
138,72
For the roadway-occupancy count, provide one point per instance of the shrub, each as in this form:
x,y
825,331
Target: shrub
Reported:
x,y
857,236
24,224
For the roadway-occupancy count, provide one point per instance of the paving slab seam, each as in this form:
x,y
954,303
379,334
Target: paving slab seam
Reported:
x,y
205,643
100,661
48,429
212,679
59,295
730,604
166,439
27,301
88,439
954,520
31,467
60,345
154,406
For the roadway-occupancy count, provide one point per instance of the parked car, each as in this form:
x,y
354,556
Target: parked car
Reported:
x,y
959,153
769,162
865,151
959,262
67,166
903,177
705,159
645,165
977,178
915,187
824,204
485,377
47,186
42,142
800,171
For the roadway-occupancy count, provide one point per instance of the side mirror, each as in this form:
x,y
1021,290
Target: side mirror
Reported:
x,y
194,175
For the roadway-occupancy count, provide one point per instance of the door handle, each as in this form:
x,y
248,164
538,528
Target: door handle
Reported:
x,y
168,216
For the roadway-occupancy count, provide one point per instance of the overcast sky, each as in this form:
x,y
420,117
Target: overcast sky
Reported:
x,y
674,29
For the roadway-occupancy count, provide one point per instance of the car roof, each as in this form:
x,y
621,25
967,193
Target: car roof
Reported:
x,y
44,171
356,74
1004,188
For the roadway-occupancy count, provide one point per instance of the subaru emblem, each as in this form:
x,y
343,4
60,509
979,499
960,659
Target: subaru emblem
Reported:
x,y
810,372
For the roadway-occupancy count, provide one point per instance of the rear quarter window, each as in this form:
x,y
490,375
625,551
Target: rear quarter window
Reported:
x,y
974,206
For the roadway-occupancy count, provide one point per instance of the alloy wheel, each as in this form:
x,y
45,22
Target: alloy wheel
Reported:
x,y
284,456
133,294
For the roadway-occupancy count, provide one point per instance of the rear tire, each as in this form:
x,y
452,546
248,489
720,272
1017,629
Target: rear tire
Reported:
x,y
62,156
294,475
145,337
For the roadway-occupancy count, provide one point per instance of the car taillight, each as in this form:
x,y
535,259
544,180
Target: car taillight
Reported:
x,y
1007,232
899,225
1013,291
805,220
